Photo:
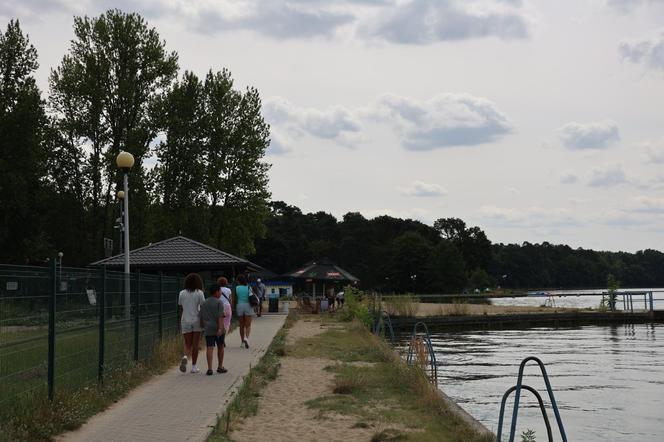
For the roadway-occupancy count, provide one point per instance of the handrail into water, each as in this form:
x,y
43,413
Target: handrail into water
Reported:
x,y
517,397
433,363
379,325
541,405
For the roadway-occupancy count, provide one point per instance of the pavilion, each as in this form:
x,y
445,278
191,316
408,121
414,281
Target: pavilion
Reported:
x,y
321,274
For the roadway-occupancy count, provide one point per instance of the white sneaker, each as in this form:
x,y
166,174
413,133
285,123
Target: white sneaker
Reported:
x,y
195,369
183,364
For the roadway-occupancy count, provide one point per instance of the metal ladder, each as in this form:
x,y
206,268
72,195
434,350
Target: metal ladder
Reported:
x,y
515,412
382,318
426,337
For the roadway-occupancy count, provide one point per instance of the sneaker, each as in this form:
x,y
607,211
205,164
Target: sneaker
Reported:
x,y
246,343
195,369
221,370
183,364
209,372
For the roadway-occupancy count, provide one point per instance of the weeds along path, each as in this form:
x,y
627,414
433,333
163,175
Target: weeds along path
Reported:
x,y
337,382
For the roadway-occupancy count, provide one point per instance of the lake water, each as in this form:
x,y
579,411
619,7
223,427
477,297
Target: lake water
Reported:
x,y
608,380
586,299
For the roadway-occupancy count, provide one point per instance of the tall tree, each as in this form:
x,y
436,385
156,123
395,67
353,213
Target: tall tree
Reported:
x,y
102,93
236,137
22,156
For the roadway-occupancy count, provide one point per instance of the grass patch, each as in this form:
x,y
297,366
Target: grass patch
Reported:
x,y
401,305
246,398
387,394
32,417
347,345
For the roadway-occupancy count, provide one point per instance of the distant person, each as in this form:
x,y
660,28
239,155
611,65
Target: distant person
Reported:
x,y
226,299
244,310
212,321
330,298
340,298
189,302
260,292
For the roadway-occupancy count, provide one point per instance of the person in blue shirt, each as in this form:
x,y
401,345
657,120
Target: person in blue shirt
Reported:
x,y
244,309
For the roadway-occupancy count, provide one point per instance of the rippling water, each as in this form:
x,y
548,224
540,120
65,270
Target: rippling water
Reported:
x,y
608,380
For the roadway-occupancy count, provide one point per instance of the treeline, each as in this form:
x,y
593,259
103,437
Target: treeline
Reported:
x,y
404,255
119,88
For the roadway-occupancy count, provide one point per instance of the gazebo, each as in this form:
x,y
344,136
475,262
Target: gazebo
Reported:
x,y
323,272
180,255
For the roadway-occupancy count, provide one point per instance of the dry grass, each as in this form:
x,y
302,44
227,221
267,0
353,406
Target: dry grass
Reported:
x,y
401,305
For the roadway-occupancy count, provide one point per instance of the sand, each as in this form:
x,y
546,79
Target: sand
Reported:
x,y
282,413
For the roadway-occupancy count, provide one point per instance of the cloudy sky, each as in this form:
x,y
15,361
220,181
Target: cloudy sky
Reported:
x,y
536,120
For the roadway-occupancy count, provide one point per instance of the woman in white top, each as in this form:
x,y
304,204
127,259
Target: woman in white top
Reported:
x,y
190,301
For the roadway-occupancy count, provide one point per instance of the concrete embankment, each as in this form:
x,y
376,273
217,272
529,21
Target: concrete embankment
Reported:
x,y
525,319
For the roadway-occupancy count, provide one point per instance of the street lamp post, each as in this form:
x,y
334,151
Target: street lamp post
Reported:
x,y
125,161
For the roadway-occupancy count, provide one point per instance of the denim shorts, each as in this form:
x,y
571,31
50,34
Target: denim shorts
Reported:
x,y
210,341
244,308
188,327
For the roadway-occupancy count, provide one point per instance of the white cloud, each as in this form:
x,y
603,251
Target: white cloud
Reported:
x,y
443,121
336,123
627,6
607,176
648,52
529,217
568,178
654,151
429,21
648,204
279,144
596,135
422,189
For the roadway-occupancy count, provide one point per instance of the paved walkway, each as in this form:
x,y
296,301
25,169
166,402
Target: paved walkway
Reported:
x,y
179,406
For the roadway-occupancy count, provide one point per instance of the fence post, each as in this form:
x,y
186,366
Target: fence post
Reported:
x,y
651,302
102,324
161,305
51,330
137,314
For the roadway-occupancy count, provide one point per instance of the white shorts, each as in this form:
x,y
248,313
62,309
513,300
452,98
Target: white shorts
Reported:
x,y
244,308
188,327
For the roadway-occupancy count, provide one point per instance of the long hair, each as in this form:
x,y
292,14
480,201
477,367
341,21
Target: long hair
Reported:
x,y
222,281
241,279
193,282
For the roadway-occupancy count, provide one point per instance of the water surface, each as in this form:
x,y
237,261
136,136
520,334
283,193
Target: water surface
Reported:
x,y
608,380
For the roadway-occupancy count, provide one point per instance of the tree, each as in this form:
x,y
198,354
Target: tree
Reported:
x,y
179,177
479,280
22,154
410,256
446,270
102,94
472,242
236,137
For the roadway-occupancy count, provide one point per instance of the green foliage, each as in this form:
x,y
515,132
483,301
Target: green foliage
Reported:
x,y
528,436
22,153
479,280
356,306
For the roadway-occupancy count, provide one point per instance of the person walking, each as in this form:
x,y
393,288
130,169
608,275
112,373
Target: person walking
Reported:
x,y
244,309
260,292
189,302
227,300
212,321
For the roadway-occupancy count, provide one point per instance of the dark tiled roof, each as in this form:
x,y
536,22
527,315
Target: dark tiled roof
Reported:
x,y
322,271
175,252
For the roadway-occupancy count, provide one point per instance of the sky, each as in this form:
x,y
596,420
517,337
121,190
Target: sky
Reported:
x,y
535,120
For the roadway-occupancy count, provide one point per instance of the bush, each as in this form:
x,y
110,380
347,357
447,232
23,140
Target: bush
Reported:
x,y
356,307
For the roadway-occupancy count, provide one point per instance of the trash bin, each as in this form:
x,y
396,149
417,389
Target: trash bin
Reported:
x,y
273,307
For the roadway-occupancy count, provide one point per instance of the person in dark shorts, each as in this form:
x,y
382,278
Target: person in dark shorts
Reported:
x,y
212,322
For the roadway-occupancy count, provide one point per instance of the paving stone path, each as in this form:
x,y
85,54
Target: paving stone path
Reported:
x,y
179,406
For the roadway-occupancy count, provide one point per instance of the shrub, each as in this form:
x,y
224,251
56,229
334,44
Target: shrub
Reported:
x,y
401,305
356,307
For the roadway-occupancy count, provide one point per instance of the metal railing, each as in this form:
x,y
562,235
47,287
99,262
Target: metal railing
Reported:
x,y
383,324
420,347
63,327
515,411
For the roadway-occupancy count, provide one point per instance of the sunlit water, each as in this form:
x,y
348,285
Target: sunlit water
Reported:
x,y
587,299
608,380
